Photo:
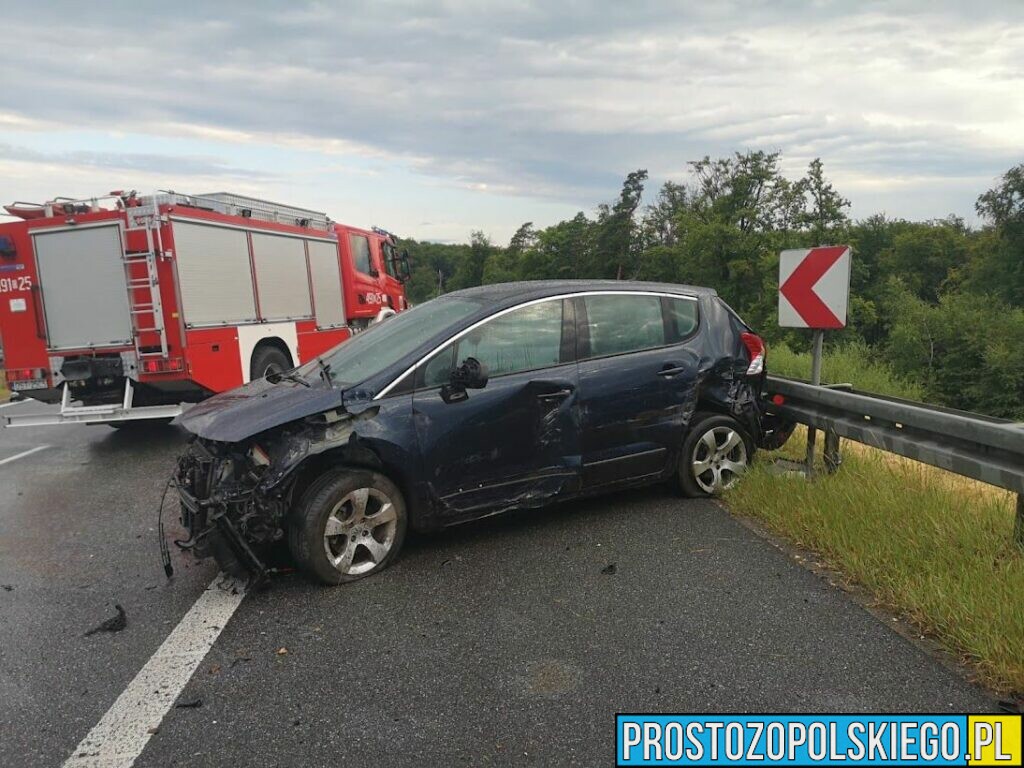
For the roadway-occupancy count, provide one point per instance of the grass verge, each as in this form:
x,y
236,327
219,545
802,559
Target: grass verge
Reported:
x,y
852,364
931,546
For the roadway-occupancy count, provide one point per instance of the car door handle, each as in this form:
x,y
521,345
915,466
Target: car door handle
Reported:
x,y
671,370
550,397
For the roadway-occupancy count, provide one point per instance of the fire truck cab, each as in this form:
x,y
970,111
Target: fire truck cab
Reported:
x,y
123,307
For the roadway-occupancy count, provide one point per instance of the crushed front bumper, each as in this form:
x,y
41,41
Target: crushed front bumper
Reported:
x,y
220,513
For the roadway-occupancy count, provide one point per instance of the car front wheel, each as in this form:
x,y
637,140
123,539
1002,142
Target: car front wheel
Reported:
x,y
348,525
715,453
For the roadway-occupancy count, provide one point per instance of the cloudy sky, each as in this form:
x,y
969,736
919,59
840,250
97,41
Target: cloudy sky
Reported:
x,y
436,119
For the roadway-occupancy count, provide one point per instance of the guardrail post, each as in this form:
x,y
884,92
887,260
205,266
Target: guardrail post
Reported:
x,y
1018,524
831,452
819,340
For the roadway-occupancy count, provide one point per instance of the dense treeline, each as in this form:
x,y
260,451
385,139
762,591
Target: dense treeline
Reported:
x,y
940,302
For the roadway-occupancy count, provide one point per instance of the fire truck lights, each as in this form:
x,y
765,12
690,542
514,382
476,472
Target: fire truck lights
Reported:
x,y
25,374
172,365
7,248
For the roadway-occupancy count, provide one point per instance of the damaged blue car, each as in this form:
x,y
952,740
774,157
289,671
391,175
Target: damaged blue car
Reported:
x,y
480,401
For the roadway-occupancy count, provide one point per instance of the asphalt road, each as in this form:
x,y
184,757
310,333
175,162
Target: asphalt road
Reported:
x,y
501,642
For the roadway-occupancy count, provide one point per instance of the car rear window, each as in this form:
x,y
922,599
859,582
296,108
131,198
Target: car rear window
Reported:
x,y
683,316
623,323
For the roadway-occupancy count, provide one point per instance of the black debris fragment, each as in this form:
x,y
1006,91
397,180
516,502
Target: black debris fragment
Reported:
x,y
1014,706
192,704
610,569
7,587
113,624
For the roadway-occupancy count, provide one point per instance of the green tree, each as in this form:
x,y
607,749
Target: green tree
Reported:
x,y
433,266
504,264
965,350
560,251
997,265
470,270
616,245
825,212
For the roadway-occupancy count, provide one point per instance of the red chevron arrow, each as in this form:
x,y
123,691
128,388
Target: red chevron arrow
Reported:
x,y
799,288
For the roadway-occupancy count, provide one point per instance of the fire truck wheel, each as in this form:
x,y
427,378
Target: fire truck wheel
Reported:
x,y
268,359
348,525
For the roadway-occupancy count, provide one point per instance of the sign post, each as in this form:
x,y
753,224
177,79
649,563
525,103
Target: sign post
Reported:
x,y
814,292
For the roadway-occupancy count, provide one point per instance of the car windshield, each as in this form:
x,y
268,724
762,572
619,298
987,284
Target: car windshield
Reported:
x,y
368,353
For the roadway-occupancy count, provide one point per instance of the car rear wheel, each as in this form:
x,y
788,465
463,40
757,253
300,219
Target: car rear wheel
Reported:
x,y
715,453
348,525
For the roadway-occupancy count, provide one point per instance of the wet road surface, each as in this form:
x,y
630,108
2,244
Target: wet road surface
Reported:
x,y
502,642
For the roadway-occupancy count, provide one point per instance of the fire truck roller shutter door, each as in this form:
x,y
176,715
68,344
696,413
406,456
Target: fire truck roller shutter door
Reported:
x,y
282,281
85,293
325,272
214,274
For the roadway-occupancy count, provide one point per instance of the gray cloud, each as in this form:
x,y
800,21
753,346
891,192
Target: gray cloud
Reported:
x,y
149,163
553,100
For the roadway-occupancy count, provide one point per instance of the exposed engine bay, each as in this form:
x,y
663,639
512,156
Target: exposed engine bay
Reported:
x,y
235,497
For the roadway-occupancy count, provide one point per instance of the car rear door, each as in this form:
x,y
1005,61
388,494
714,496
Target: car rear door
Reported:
x,y
514,443
638,375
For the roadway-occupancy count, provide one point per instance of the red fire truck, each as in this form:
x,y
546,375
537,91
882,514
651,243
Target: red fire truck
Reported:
x,y
123,307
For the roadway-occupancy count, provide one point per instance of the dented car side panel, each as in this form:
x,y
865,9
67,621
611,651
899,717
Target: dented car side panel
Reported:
x,y
514,443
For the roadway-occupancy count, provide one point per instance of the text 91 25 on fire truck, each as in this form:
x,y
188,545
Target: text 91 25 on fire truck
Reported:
x,y
131,305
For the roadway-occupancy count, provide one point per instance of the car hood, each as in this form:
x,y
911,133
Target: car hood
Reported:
x,y
231,417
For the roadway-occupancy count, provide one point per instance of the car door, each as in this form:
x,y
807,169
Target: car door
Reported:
x,y
637,380
513,443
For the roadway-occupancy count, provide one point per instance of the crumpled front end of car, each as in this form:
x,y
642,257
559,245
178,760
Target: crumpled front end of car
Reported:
x,y
223,507
236,496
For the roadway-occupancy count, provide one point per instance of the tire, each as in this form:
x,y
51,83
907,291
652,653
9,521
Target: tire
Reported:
x,y
708,471
333,503
268,359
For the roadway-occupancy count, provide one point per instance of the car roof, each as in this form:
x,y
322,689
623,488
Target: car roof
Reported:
x,y
537,289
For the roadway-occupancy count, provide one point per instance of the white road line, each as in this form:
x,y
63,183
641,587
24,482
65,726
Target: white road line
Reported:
x,y
23,454
122,733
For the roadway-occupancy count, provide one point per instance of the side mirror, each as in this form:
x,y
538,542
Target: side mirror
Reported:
x,y
404,270
472,374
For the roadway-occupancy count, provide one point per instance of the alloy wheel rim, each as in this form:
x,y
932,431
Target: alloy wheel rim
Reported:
x,y
360,531
719,458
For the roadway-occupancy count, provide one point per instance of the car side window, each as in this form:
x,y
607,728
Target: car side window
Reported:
x,y
623,323
360,248
683,316
522,340
438,369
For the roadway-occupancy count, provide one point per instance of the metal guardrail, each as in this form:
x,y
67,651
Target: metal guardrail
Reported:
x,y
980,447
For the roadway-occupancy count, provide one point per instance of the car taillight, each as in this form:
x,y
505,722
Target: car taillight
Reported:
x,y
755,346
172,365
25,374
